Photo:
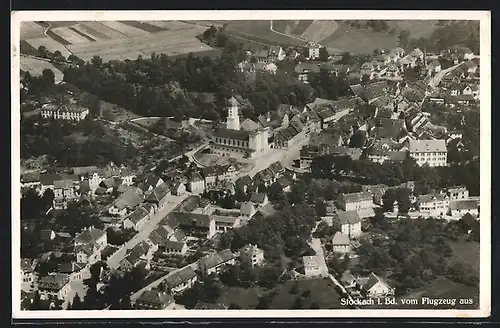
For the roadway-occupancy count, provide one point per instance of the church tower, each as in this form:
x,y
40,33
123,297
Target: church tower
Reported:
x,y
233,117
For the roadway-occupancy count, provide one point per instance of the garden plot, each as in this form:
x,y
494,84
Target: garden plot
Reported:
x,y
31,30
125,29
70,36
49,43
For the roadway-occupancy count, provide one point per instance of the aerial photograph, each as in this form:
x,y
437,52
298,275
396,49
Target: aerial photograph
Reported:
x,y
249,164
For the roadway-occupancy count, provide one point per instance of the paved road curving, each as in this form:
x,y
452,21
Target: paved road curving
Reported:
x,y
115,259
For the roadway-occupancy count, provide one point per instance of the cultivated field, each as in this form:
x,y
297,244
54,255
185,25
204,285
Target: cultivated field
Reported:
x,y
259,30
175,25
319,30
69,35
359,41
116,40
337,36
49,43
417,28
99,31
286,26
125,29
36,67
171,43
31,30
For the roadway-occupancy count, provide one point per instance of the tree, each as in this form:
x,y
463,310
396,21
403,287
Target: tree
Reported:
x,y
295,288
347,59
323,54
77,304
388,200
42,51
210,33
48,198
125,303
234,306
96,61
48,76
298,303
320,207
358,139
276,193
403,198
404,38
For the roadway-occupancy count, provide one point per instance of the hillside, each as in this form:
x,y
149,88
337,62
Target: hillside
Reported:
x,y
337,36
358,41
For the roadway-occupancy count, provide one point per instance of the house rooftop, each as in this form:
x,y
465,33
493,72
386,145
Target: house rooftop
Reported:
x,y
357,197
349,217
421,146
156,297
465,204
340,239
311,261
215,259
54,282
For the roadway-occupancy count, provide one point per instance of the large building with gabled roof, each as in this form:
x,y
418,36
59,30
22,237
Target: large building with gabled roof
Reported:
x,y
239,141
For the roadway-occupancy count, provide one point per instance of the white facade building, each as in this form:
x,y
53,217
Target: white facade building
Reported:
x,y
430,152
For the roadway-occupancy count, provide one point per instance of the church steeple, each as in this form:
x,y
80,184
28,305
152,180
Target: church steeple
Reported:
x,y
233,116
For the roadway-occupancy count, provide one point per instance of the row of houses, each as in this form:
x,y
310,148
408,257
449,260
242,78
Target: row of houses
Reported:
x,y
184,278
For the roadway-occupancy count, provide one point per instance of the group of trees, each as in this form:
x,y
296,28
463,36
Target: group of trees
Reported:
x,y
206,289
246,276
285,233
393,173
328,85
417,252
453,33
399,195
160,86
60,140
375,25
37,85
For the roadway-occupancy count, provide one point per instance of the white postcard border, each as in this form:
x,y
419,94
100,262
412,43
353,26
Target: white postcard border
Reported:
x,y
485,165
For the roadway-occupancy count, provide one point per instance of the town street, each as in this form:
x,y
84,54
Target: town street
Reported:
x,y
287,155
439,76
172,202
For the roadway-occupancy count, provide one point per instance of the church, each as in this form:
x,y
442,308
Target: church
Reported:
x,y
240,140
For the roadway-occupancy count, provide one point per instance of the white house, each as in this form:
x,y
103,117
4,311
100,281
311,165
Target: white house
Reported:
x,y
28,274
137,219
196,183
252,254
458,193
63,112
433,205
349,223
458,208
55,286
313,266
341,243
430,152
181,279
175,247
247,210
213,263
376,287
313,50
356,201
